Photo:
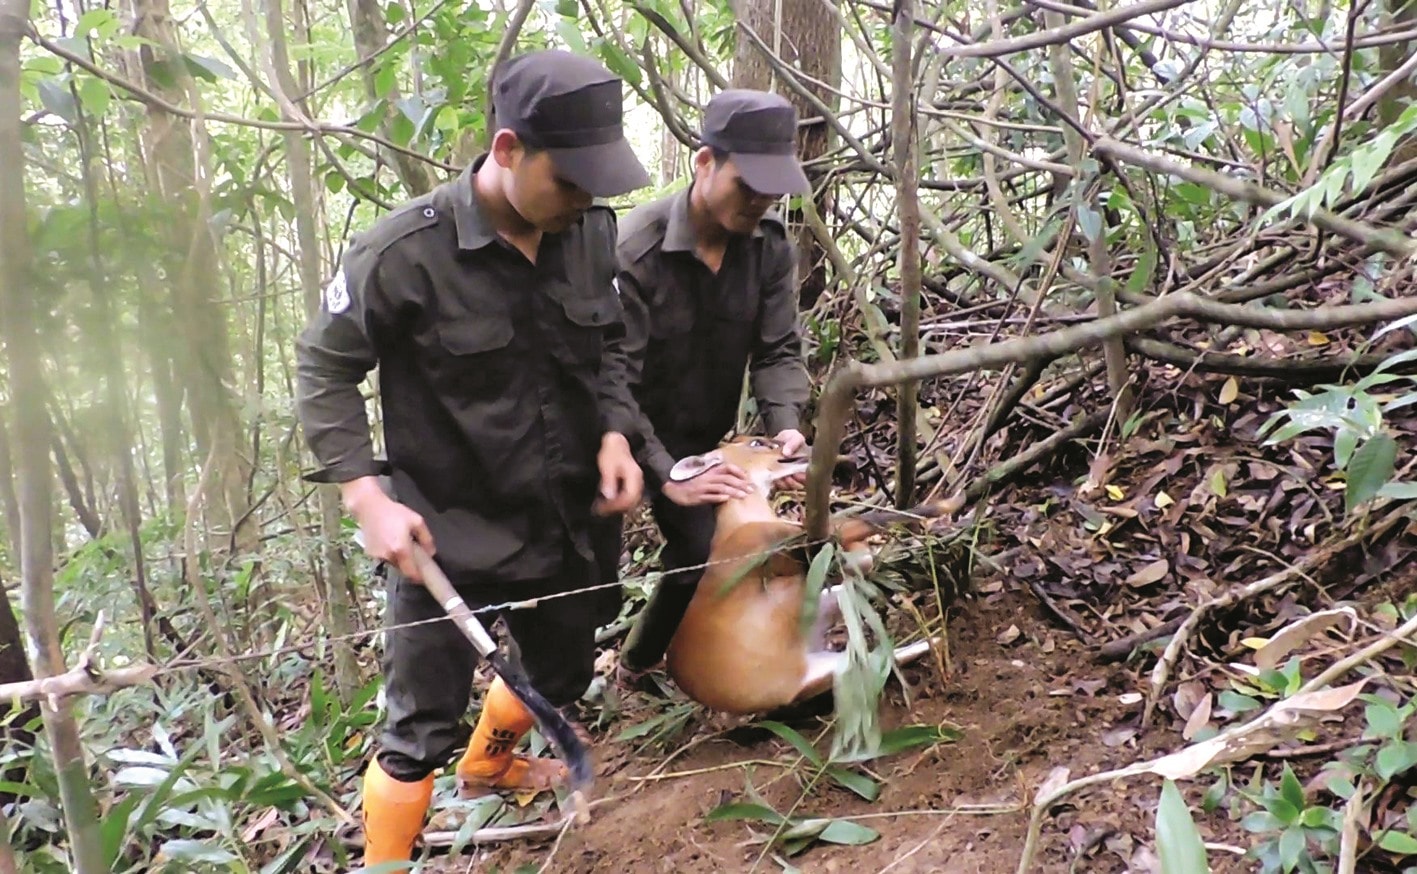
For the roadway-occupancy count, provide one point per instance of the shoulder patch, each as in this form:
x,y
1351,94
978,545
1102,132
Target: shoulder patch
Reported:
x,y
336,294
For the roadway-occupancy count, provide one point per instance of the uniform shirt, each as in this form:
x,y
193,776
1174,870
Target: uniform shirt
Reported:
x,y
690,333
490,378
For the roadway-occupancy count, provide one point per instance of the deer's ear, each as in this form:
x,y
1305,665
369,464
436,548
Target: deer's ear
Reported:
x,y
694,465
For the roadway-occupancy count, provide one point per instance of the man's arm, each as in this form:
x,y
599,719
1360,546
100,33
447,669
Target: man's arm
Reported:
x,y
624,368
777,374
333,354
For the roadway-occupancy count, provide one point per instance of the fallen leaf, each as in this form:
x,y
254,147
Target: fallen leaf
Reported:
x,y
1188,696
1162,500
1199,719
1130,698
1317,338
1118,736
1149,575
1115,492
1302,631
1056,779
1009,635
1230,391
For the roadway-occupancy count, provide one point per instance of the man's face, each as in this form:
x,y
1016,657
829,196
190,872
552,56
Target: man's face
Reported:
x,y
543,197
730,201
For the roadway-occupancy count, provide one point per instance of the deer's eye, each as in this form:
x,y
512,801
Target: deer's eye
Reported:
x,y
757,444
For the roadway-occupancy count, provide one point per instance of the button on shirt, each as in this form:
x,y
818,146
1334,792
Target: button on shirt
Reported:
x,y
690,334
490,378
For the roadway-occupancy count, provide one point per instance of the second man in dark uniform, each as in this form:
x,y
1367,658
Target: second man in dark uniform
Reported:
x,y
708,285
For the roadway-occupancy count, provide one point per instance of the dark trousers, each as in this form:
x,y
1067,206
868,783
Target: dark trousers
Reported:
x,y
688,534
428,669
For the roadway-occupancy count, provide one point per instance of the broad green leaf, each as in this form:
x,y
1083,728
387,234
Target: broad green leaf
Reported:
x,y
1178,841
841,831
1383,720
912,736
802,745
1399,842
1344,442
1285,812
94,95
1395,758
1399,491
1140,279
743,810
1291,847
208,68
1291,789
1235,702
102,22
1399,358
114,828
197,851
859,783
1372,466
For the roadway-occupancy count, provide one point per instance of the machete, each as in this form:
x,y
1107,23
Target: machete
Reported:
x,y
551,722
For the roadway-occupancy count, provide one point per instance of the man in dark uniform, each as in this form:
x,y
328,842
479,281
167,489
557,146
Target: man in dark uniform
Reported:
x,y
708,285
488,306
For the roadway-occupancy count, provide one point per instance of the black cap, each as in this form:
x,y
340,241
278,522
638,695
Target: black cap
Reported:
x,y
573,108
758,130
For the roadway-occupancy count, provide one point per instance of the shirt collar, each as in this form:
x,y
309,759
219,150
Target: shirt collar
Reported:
x,y
475,228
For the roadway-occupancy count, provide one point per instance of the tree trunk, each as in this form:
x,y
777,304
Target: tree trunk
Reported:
x,y
9,502
905,150
18,329
371,34
808,40
1401,14
304,194
181,177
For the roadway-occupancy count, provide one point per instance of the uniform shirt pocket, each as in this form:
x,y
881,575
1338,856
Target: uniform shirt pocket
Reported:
x,y
584,327
474,352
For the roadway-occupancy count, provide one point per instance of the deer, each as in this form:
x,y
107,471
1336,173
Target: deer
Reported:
x,y
740,647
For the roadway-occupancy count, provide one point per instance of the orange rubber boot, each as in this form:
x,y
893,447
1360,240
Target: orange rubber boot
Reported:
x,y
393,815
489,762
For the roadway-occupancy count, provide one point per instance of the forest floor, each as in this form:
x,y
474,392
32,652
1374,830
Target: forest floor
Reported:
x,y
1092,548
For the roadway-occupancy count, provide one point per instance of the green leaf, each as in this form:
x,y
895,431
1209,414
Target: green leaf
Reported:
x,y
1178,841
743,810
1291,790
803,746
570,34
859,783
842,831
1372,466
1344,442
56,98
1409,322
114,828
1395,360
1395,758
620,63
568,8
911,736
101,21
197,851
1399,842
1367,161
1383,720
1235,702
208,68
1286,813
1291,847
1140,279
385,78
1399,491
812,587
94,95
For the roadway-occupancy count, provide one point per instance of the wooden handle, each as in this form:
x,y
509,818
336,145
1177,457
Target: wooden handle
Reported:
x,y
442,589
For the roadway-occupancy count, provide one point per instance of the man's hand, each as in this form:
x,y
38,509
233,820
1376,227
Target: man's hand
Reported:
x,y
714,486
390,528
792,442
622,483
